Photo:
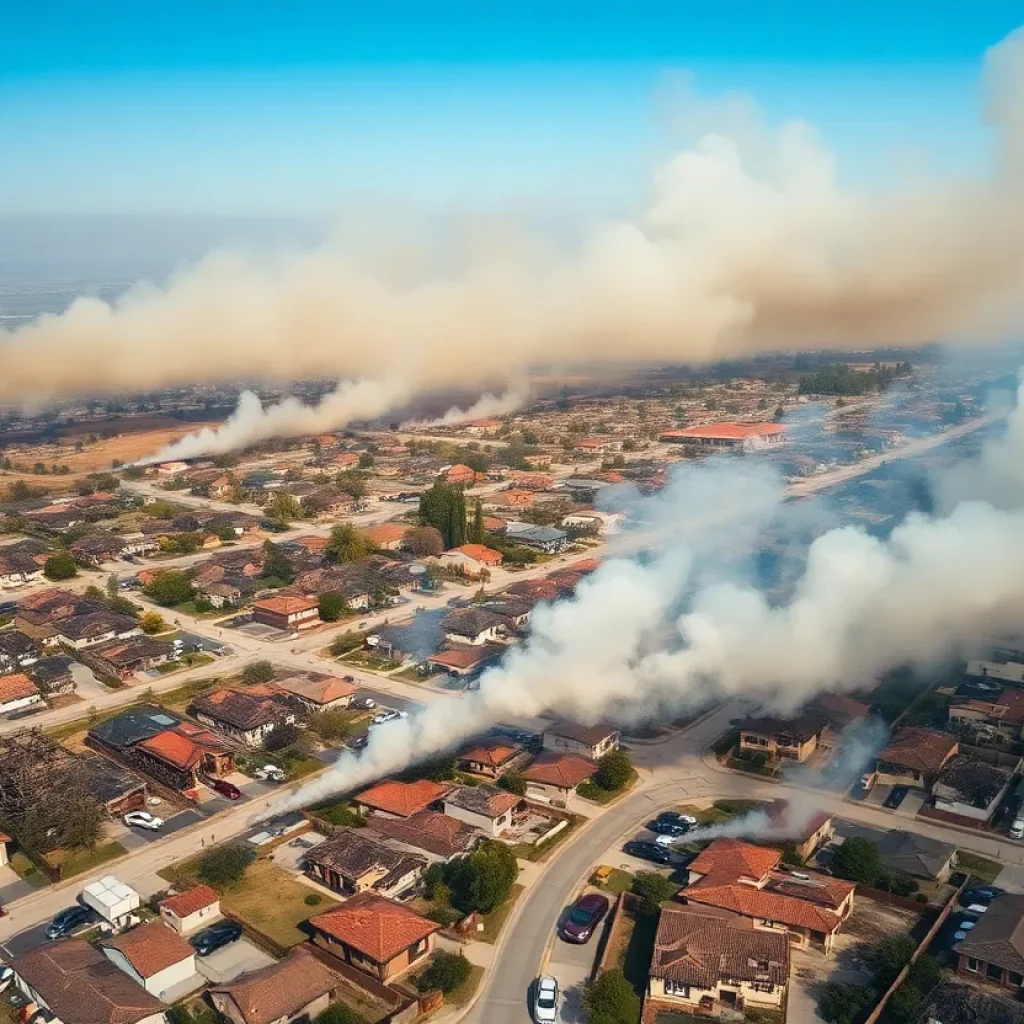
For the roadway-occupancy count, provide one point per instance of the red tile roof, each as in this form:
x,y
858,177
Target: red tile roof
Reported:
x,y
728,431
738,859
566,771
151,948
377,927
285,605
191,900
768,906
493,756
481,553
402,798
16,687
923,750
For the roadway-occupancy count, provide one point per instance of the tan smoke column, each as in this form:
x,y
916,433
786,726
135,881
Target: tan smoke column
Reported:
x,y
485,406
733,254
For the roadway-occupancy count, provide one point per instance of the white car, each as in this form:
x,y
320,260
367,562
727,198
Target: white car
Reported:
x,y
270,772
545,1001
1017,829
388,715
143,819
669,841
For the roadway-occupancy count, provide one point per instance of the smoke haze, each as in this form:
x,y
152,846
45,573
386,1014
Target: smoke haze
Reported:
x,y
741,248
661,631
486,406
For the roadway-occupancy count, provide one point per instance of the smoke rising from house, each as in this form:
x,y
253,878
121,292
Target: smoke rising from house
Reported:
x,y
660,630
745,245
486,406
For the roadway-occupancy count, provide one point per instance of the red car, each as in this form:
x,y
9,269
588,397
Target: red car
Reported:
x,y
584,917
228,789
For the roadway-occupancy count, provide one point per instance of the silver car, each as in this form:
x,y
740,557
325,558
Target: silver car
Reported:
x,y
545,1001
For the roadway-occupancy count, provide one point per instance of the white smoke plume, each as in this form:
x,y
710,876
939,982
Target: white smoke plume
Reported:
x,y
252,422
741,248
651,631
485,407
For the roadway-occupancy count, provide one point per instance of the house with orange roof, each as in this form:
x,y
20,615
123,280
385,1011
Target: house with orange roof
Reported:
x,y
17,692
400,799
735,436
190,910
318,693
553,777
388,536
492,759
375,935
461,475
741,878
287,613
473,560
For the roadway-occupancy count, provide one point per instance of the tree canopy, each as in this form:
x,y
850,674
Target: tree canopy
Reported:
x,y
169,588
483,880
226,865
347,544
257,672
857,860
443,506
332,606
275,564
614,770
425,541
60,566
610,999
652,890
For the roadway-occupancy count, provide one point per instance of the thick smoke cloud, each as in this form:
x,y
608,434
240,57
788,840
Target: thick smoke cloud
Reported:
x,y
661,631
739,249
486,406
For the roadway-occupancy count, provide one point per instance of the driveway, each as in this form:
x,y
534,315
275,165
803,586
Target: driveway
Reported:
x,y
137,838
232,960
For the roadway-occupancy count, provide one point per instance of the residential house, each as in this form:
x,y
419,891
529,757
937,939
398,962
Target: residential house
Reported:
x,y
703,961
94,628
318,692
17,650
1001,716
493,759
464,662
513,497
155,957
18,569
328,501
547,539
122,659
472,626
37,614
473,560
838,709
438,835
186,912
287,613
553,778
97,548
589,741
805,835
908,853
227,592
994,948
297,988
138,544
53,675
732,436
115,788
77,984
375,935
789,739
351,861
486,808
18,693
740,878
515,611
388,536
242,714
460,475
970,790
403,642
400,799
914,757
597,445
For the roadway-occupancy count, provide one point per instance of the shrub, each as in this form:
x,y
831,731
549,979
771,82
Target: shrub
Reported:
x,y
652,890
281,737
614,770
339,1013
447,972
257,672
169,588
332,606
152,622
483,880
60,566
329,725
610,999
513,782
226,865
857,860
314,899
842,1003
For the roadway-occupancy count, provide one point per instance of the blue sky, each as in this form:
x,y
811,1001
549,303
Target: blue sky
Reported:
x,y
148,106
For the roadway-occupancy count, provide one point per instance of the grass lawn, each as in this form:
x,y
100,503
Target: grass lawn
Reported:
x,y
27,871
74,862
365,660
465,992
981,868
495,920
188,661
596,795
618,881
266,899
413,675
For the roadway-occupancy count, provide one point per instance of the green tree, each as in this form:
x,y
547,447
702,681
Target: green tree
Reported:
x,y
889,957
257,672
483,880
365,460
447,971
843,1003
225,866
477,532
513,782
652,890
275,564
443,506
152,622
60,566
610,999
282,508
614,770
281,737
332,606
351,482
133,472
169,588
330,725
857,860
339,1013
347,544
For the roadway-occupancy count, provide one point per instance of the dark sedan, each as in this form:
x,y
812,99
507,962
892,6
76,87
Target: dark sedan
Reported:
x,y
648,851
584,917
215,937
668,828
896,797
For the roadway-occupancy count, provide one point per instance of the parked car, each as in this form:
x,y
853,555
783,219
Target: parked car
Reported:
x,y
545,1001
143,819
348,679
584,917
388,715
225,788
675,817
666,842
896,797
358,742
668,828
217,936
648,851
69,921
980,893
270,772
1017,829
363,704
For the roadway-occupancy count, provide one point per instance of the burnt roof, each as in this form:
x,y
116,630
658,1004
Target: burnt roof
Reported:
x,y
134,726
353,854
998,938
591,735
108,782
801,728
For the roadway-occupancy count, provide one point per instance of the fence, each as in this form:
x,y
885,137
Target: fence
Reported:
x,y
939,921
